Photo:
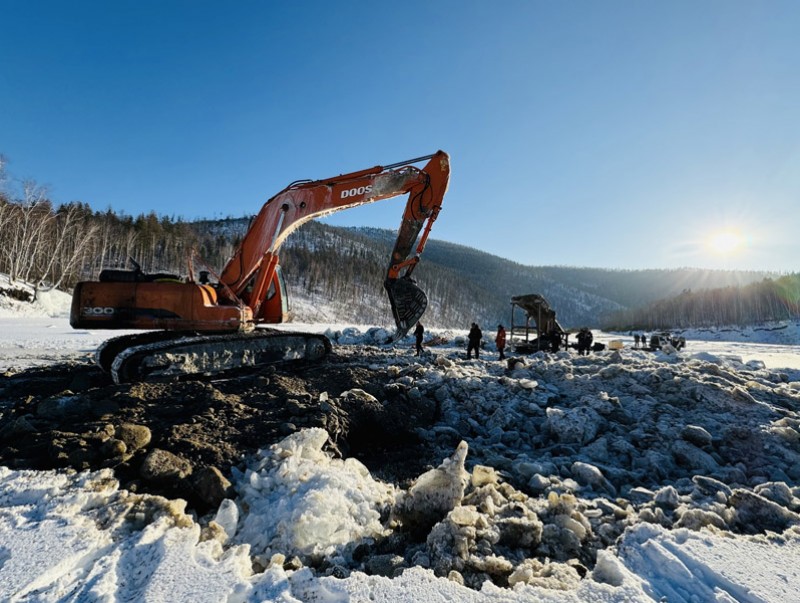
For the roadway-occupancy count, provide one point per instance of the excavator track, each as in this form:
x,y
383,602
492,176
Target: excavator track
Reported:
x,y
170,355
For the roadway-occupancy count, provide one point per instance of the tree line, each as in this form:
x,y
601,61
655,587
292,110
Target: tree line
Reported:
x,y
765,301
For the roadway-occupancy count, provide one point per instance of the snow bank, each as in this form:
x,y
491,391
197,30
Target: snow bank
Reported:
x,y
90,541
14,300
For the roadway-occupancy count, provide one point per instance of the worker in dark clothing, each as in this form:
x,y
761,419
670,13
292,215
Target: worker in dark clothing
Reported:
x,y
418,333
585,339
474,341
500,341
636,340
555,341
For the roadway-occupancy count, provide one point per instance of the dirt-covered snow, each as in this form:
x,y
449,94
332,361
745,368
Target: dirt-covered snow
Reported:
x,y
624,475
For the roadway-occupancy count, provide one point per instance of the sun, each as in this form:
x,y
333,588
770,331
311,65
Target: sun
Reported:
x,y
725,242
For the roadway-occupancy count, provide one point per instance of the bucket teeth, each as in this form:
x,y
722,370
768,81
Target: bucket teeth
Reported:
x,y
408,303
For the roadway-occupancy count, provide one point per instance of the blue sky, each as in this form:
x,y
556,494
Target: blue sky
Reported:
x,y
617,134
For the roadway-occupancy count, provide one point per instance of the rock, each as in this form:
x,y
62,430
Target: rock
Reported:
x,y
135,436
667,497
710,486
287,429
59,407
113,447
690,456
696,435
591,476
730,475
777,492
640,494
359,395
755,513
161,465
573,425
385,565
19,427
80,382
538,483
81,456
528,469
210,486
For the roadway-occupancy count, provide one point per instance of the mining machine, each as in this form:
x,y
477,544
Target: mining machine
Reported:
x,y
211,323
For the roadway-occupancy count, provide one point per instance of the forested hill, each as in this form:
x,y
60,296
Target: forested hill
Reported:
x,y
337,274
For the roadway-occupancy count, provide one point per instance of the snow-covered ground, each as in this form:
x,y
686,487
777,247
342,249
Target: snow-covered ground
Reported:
x,y
711,532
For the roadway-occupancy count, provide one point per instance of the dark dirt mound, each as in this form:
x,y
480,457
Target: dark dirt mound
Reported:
x,y
181,438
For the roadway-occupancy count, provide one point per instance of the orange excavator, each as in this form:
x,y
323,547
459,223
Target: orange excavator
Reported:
x,y
210,325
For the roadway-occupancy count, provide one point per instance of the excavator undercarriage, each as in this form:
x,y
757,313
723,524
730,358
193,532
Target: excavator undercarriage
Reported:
x,y
168,355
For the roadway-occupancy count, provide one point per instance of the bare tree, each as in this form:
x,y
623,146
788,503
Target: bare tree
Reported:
x,y
72,235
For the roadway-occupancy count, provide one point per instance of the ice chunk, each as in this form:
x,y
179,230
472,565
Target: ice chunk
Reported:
x,y
310,504
228,517
436,492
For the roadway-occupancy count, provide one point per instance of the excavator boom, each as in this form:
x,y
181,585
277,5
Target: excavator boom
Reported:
x,y
251,269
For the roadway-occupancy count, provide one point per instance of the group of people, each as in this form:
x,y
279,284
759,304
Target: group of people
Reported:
x,y
473,338
643,338
474,341
585,340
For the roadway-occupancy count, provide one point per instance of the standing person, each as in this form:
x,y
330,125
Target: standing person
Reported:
x,y
589,341
474,339
636,340
500,341
585,339
418,333
555,341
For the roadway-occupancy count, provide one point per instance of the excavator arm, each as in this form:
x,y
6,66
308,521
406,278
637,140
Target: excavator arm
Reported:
x,y
252,269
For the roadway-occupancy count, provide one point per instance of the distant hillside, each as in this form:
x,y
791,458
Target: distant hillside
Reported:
x,y
336,274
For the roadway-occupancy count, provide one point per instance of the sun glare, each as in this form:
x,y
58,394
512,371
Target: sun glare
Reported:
x,y
725,242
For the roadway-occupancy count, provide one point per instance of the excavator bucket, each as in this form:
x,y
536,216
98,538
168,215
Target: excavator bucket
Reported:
x,y
408,303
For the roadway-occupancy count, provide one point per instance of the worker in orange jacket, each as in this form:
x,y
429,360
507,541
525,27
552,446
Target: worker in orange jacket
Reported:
x,y
500,341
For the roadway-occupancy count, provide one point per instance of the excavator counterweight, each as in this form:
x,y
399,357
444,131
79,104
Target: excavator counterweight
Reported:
x,y
207,327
